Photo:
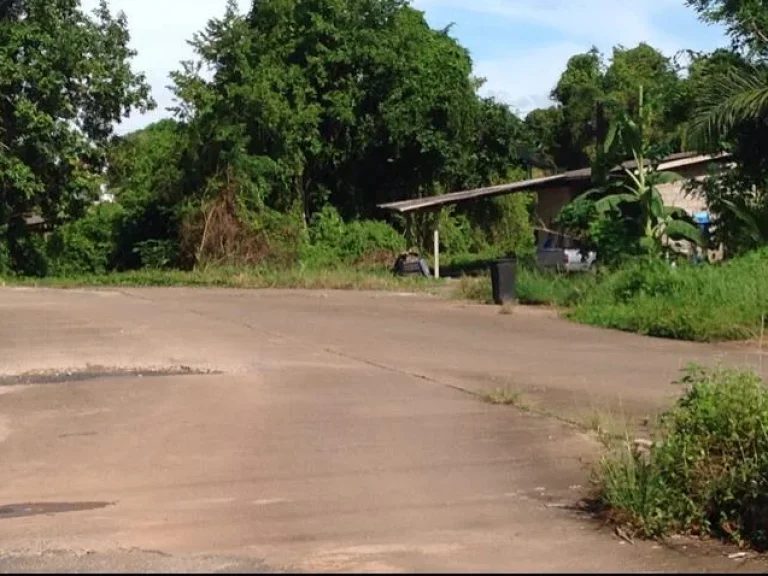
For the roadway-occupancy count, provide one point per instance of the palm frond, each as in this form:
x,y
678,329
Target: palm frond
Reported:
x,y
737,96
751,224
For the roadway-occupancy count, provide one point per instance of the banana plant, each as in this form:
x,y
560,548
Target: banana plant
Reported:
x,y
636,185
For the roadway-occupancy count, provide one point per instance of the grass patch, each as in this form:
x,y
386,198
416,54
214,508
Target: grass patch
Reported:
x,y
298,278
706,472
503,397
474,289
703,303
707,303
534,287
609,425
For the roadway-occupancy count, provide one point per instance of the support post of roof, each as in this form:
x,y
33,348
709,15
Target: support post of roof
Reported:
x,y
409,235
436,240
437,251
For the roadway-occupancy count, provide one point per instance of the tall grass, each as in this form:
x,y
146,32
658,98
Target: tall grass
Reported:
x,y
533,287
702,303
705,303
300,278
707,472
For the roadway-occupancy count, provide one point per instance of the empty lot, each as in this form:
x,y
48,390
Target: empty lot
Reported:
x,y
213,430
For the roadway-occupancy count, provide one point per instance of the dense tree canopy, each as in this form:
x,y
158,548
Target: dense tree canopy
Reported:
x,y
65,79
352,102
568,131
731,114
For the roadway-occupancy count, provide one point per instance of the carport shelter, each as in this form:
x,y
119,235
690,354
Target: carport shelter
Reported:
x,y
556,191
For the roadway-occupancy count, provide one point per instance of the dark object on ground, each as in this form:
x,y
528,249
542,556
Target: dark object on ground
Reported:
x,y
504,280
410,264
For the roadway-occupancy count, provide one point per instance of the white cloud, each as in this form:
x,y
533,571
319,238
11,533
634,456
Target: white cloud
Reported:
x,y
160,30
524,77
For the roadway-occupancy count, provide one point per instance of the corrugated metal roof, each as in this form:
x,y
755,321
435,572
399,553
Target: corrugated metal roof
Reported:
x,y
537,184
456,197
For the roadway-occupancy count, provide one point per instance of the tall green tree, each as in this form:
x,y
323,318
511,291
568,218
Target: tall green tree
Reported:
x,y
352,102
65,80
569,131
731,114
738,93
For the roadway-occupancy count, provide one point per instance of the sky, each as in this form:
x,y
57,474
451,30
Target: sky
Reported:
x,y
519,46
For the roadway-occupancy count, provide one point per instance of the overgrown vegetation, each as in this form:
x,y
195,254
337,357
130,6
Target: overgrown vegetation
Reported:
x,y
700,303
704,303
706,472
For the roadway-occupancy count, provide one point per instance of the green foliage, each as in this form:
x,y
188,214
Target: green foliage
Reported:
x,y
512,233
157,254
568,132
700,303
534,287
745,20
613,237
738,205
26,251
53,137
6,268
87,245
371,239
707,472
705,303
347,102
244,278
146,176
631,195
334,243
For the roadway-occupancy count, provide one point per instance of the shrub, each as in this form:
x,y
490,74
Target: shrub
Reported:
x,y
368,239
327,228
87,245
5,260
707,471
333,243
157,254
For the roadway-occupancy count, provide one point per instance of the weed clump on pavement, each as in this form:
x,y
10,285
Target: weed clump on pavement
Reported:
x,y
706,473
503,397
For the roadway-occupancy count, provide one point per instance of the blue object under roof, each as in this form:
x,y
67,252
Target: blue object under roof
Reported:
x,y
702,218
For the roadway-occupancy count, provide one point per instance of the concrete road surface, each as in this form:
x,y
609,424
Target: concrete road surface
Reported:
x,y
228,431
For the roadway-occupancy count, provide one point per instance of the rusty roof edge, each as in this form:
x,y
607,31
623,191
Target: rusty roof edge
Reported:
x,y
453,197
403,206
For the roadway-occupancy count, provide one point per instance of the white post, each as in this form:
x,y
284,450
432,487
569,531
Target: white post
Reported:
x,y
437,252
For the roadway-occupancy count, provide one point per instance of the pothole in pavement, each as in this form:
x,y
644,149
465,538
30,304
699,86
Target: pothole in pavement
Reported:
x,y
47,508
96,372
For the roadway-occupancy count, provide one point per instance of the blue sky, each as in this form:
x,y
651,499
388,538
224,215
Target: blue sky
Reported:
x,y
519,46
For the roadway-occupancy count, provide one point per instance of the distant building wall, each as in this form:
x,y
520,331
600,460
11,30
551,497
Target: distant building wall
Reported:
x,y
548,206
551,202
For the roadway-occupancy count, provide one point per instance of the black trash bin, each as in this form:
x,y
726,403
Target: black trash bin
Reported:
x,y
503,280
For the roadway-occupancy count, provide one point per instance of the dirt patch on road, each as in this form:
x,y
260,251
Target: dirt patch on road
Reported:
x,y
96,372
47,508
